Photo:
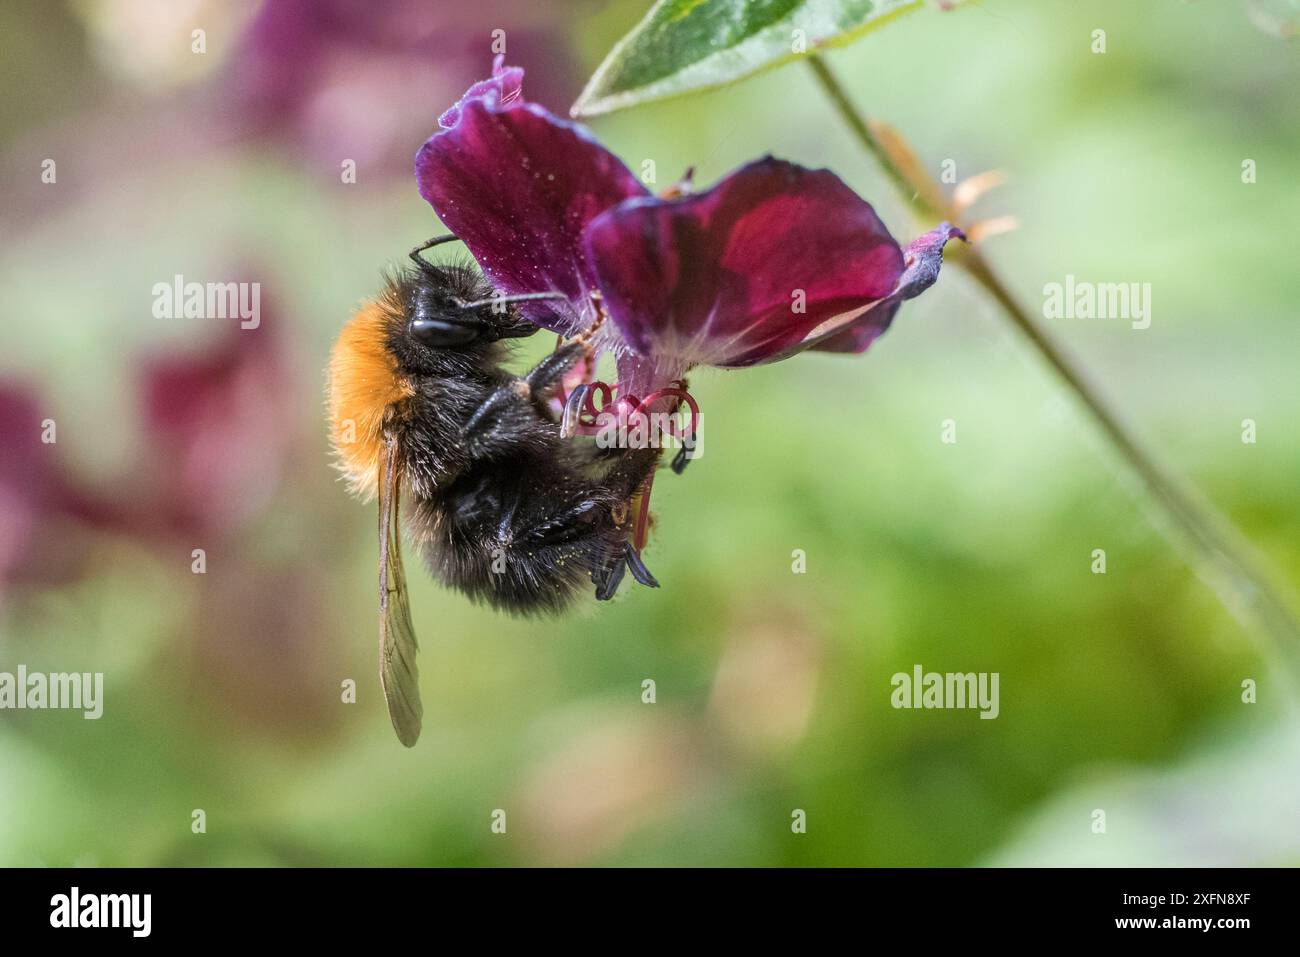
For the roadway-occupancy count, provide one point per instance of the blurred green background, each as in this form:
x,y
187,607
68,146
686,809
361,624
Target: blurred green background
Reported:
x,y
1119,692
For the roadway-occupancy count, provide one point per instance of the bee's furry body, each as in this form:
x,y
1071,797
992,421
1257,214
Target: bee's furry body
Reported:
x,y
501,506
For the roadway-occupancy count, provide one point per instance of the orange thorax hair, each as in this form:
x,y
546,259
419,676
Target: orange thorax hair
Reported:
x,y
363,383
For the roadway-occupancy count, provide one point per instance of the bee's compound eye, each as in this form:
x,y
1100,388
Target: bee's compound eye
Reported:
x,y
441,333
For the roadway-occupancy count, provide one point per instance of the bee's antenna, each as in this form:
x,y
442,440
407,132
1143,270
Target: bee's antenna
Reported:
x,y
519,297
429,244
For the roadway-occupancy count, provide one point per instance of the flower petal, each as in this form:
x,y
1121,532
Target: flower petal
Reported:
x,y
858,336
518,186
502,88
922,260
743,271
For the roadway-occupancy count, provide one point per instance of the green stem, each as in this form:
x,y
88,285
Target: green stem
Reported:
x,y
858,124
1228,562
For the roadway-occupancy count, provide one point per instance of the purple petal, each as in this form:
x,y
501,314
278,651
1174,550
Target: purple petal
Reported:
x,y
922,259
743,271
641,375
502,88
518,186
859,335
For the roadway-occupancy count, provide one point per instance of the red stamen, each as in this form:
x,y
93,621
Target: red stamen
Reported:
x,y
641,530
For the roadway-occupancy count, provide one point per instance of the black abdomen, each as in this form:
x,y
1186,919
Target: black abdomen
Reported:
x,y
523,535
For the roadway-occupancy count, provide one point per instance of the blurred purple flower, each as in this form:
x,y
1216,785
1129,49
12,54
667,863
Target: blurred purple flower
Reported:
x,y
35,496
212,453
350,80
214,434
773,259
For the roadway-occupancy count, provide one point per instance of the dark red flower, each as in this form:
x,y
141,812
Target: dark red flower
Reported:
x,y
773,259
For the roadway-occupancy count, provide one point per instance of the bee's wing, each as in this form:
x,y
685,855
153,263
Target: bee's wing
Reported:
x,y
397,645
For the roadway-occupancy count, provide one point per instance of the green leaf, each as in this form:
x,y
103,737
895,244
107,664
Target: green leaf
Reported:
x,y
685,45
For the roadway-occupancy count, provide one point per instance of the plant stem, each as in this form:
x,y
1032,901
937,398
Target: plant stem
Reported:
x,y
858,124
1245,584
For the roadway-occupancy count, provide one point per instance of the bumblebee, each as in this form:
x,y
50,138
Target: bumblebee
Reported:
x,y
470,460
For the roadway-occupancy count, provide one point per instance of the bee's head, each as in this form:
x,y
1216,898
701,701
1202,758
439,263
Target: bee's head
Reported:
x,y
436,321
448,312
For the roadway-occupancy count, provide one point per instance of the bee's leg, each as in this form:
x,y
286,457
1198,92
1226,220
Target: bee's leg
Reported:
x,y
574,522
542,376
632,558
683,458
551,371
519,394
611,566
623,480
497,418
608,576
579,527
630,471
573,410
596,528
555,366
